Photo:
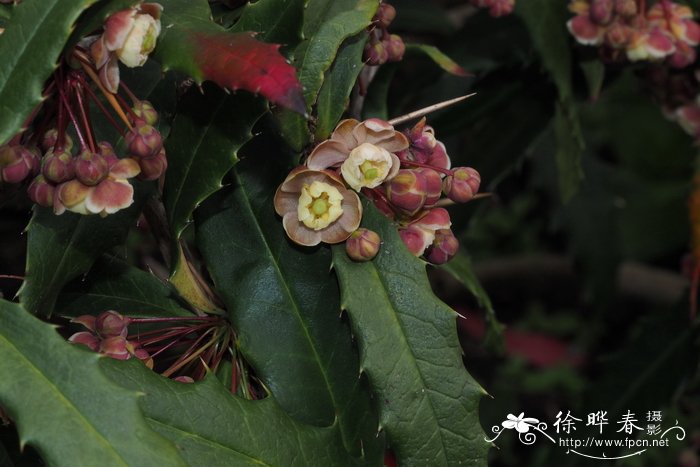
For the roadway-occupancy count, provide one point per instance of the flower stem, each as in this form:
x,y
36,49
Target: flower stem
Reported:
x,y
426,166
103,109
108,95
71,115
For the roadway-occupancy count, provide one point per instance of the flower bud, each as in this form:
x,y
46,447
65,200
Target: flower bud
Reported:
x,y
422,137
682,57
91,168
141,354
362,245
41,192
395,48
416,239
143,140
50,138
15,165
385,15
601,11
618,35
58,166
433,185
107,151
462,185
111,323
115,347
626,8
408,190
153,167
444,247
87,339
375,53
146,112
184,379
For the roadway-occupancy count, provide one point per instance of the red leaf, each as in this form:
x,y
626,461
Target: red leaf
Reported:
x,y
239,61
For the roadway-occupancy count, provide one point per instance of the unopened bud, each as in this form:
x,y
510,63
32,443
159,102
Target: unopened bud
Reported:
x,y
408,190
111,323
58,166
375,53
626,8
462,185
362,245
395,48
41,191
444,247
153,167
433,185
601,11
87,339
51,137
385,15
115,347
15,166
91,168
143,140
146,112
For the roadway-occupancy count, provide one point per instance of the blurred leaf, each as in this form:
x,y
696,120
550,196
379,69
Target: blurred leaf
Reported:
x,y
207,133
115,285
192,43
594,71
225,429
440,59
283,297
376,100
569,149
338,84
277,21
61,248
419,16
410,352
30,47
63,404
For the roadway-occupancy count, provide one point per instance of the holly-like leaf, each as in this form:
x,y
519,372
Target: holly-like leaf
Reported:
x,y
276,21
61,248
410,352
64,405
283,299
115,285
201,150
29,47
225,429
437,56
190,42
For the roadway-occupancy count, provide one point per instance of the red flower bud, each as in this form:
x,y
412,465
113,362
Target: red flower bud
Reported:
x,y
153,167
462,185
16,164
408,190
87,339
91,168
146,112
601,11
362,245
385,15
41,192
395,48
50,138
116,347
143,140
58,166
375,53
433,185
626,8
111,323
107,151
444,247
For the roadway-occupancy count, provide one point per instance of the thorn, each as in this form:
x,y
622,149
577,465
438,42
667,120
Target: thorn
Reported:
x,y
461,316
431,108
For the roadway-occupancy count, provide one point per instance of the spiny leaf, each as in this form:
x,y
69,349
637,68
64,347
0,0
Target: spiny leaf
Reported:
x,y
29,48
115,285
437,56
61,248
283,298
64,405
410,352
207,133
226,430
276,21
195,45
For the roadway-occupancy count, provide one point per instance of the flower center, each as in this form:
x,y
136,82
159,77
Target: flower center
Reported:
x,y
320,204
369,170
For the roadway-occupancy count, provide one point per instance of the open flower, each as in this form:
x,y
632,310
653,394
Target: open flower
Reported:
x,y
317,207
107,197
364,152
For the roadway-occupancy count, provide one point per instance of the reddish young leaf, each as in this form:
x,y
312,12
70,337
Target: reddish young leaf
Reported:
x,y
239,61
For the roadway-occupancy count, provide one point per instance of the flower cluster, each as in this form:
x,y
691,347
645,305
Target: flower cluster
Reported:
x,y
496,8
382,46
90,178
627,29
129,37
107,334
404,174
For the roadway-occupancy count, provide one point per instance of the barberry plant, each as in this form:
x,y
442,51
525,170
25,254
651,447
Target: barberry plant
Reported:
x,y
225,261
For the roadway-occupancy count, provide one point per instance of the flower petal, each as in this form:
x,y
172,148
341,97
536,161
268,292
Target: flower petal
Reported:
x,y
330,153
343,133
397,142
352,211
298,232
125,168
110,196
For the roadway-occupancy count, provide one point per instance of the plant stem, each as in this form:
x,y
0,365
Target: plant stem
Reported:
x,y
108,95
426,166
73,119
103,109
84,116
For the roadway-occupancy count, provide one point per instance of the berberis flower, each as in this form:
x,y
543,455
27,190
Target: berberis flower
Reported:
x,y
317,207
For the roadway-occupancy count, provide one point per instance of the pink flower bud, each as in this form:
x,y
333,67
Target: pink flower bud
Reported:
x,y
153,167
58,166
415,239
50,138
618,35
433,185
115,347
385,15
15,165
87,339
395,48
91,168
107,151
142,355
146,112
41,192
462,185
143,140
87,321
682,57
408,190
422,137
601,11
111,323
444,247
362,245
375,53
626,8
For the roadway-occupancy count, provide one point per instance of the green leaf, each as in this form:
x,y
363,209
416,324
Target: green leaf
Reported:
x,y
546,21
437,56
282,298
338,84
61,248
29,48
226,430
206,134
277,21
64,405
410,352
594,71
114,285
377,98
